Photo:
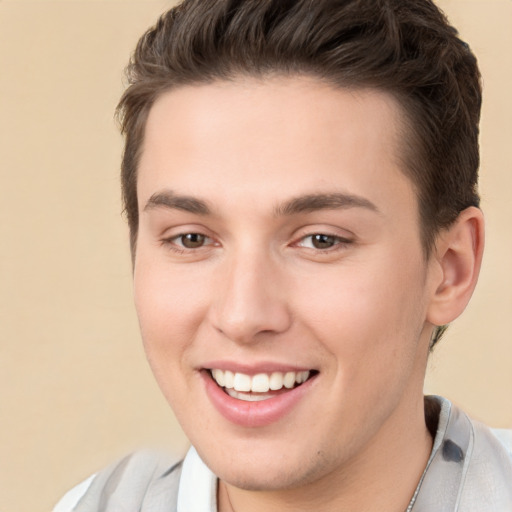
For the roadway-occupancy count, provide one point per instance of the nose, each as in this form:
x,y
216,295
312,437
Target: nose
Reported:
x,y
250,301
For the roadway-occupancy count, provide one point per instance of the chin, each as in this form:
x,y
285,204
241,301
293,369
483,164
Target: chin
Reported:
x,y
265,474
250,480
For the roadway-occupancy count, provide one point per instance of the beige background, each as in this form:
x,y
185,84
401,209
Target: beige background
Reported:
x,y
76,391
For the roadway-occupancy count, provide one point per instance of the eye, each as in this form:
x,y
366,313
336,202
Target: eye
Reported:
x,y
188,241
322,241
192,240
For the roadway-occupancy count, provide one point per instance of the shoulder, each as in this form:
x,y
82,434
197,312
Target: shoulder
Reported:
x,y
492,445
470,468
504,436
492,450
72,497
488,480
140,481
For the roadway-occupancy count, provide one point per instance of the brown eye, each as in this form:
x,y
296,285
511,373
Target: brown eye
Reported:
x,y
192,240
321,241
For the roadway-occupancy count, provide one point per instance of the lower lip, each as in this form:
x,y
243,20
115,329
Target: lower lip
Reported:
x,y
253,414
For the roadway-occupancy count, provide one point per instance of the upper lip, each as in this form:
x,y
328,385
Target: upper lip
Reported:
x,y
254,369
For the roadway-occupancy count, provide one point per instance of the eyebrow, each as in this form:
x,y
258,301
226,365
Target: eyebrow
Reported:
x,y
302,204
169,199
313,202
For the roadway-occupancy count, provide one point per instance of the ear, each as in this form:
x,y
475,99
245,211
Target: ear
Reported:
x,y
457,257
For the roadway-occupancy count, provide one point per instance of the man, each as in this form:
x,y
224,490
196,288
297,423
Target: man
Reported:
x,y
300,184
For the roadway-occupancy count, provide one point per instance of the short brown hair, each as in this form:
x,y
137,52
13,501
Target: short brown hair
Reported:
x,y
405,48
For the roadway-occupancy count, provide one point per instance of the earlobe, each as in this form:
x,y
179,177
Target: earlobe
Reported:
x,y
458,255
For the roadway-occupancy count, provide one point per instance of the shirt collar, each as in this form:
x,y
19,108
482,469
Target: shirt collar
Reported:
x,y
443,478
198,485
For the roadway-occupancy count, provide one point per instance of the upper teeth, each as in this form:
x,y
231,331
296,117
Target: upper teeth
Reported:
x,y
259,383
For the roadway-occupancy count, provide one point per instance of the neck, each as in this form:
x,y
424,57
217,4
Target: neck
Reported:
x,y
382,478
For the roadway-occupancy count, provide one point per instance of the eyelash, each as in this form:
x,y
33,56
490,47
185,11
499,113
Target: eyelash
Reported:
x,y
338,243
173,244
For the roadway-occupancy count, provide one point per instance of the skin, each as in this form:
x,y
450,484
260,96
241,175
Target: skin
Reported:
x,y
359,311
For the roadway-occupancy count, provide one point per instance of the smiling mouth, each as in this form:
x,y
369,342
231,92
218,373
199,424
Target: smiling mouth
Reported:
x,y
262,386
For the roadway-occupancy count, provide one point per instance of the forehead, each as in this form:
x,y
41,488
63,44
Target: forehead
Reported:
x,y
294,134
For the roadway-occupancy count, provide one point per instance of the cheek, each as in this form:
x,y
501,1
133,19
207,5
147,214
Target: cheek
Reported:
x,y
170,309
368,316
169,312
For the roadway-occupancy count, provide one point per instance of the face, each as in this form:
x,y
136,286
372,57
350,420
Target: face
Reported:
x,y
279,275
